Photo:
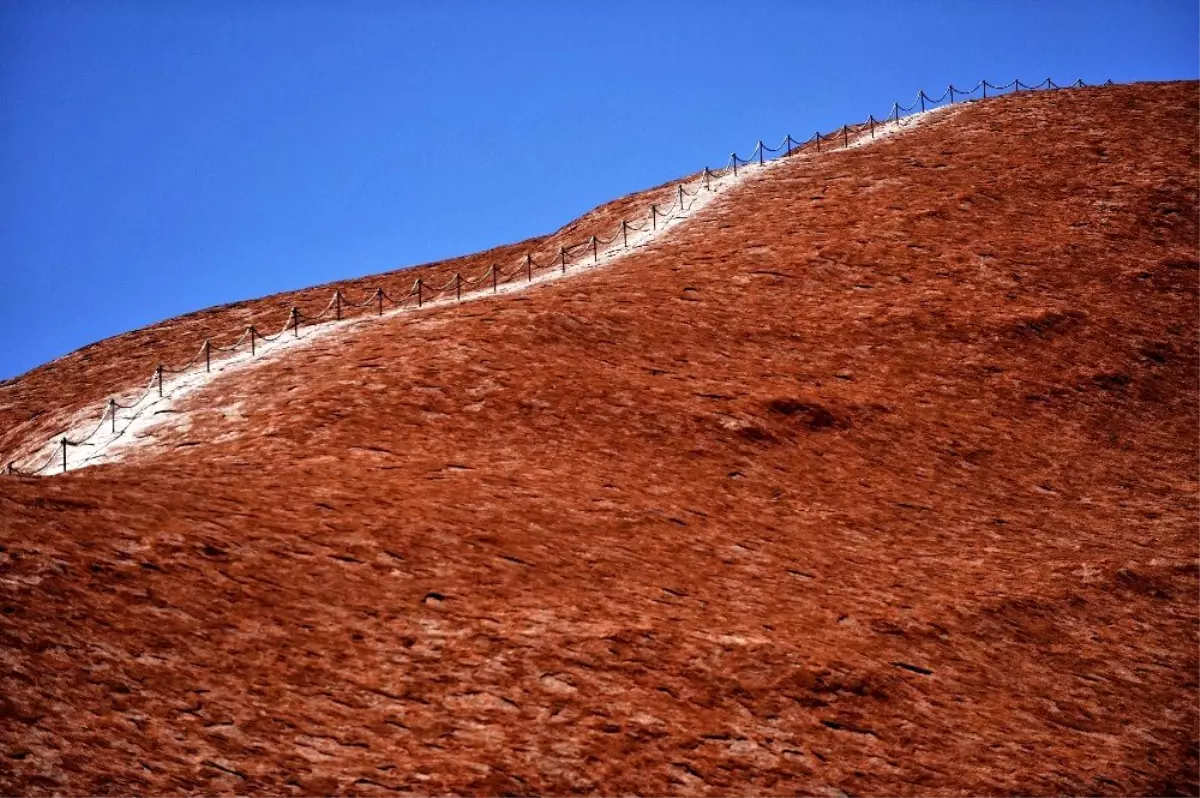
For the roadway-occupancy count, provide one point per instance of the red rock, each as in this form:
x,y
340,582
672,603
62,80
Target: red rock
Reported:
x,y
882,480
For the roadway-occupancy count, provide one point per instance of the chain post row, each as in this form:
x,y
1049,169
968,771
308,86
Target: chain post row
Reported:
x,y
294,315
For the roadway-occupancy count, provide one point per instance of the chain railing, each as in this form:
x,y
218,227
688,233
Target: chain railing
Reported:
x,y
490,281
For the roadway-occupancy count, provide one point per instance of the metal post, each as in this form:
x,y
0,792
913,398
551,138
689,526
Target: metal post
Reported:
x,y
493,278
760,152
419,288
818,136
596,246
458,287
896,107
207,356
252,332
625,234
379,296
296,322
158,371
950,89
64,447
922,95
871,119
845,136
112,414
789,143
337,302
654,214
984,84
528,268
733,156
707,175
681,197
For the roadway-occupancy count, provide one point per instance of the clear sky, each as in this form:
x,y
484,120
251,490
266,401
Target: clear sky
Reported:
x,y
158,157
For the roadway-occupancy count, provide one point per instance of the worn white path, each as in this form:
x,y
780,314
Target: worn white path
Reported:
x,y
147,412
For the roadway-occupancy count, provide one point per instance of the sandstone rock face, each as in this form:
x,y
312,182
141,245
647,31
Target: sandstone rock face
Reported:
x,y
878,478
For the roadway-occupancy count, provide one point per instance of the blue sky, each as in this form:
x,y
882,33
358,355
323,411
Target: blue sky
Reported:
x,y
161,157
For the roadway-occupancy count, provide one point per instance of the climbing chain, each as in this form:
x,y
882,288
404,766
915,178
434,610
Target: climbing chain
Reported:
x,y
495,275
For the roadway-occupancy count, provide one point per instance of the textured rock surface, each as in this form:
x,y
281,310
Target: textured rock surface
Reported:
x,y
882,480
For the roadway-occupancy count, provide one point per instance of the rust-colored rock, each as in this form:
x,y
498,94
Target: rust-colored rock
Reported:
x,y
880,480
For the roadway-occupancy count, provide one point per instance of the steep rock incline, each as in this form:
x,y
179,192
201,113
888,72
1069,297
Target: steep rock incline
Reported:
x,y
133,411
882,479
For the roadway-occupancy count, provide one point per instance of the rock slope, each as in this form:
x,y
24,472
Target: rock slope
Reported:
x,y
880,479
